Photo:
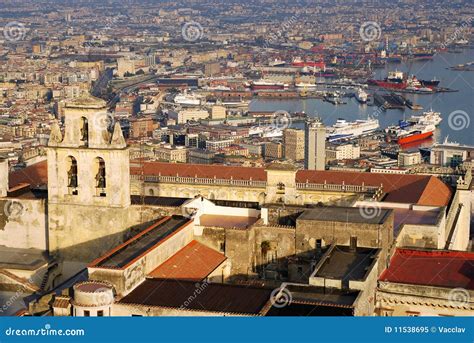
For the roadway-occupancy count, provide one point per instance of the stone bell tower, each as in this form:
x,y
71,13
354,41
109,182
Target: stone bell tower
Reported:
x,y
88,182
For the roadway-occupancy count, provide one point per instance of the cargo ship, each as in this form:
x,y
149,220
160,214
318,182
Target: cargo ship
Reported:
x,y
265,84
349,130
412,134
398,80
422,56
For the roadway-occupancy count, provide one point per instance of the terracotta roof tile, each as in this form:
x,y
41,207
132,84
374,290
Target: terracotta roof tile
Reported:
x,y
449,269
189,295
194,262
35,175
201,170
402,188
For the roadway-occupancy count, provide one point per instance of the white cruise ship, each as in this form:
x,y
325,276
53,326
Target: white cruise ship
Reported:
x,y
348,130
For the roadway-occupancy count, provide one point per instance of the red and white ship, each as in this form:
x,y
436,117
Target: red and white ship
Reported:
x,y
414,133
298,62
398,80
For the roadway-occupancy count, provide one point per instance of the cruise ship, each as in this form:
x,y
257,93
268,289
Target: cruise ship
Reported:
x,y
348,130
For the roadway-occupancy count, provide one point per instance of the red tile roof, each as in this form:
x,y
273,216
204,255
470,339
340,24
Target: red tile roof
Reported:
x,y
401,188
201,170
35,175
449,269
194,262
417,189
192,296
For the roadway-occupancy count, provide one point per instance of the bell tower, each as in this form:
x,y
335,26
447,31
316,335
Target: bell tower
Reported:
x,y
88,182
90,164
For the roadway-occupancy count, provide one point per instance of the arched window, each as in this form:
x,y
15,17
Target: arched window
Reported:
x,y
100,177
72,182
84,130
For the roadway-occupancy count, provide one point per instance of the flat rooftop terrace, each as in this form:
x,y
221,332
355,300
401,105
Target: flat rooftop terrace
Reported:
x,y
344,264
239,222
23,259
406,216
345,215
136,246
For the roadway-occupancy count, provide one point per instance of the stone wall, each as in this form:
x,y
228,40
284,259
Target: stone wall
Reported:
x,y
23,223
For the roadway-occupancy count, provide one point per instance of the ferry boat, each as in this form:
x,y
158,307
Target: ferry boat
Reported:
x,y
349,130
429,117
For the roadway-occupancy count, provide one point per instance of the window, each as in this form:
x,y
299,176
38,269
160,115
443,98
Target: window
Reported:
x,y
84,130
100,313
100,177
87,313
72,175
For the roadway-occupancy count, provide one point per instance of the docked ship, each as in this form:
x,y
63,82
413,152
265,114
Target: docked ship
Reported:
x,y
349,130
187,99
266,84
427,118
361,96
305,85
415,133
422,56
430,83
398,80
297,62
